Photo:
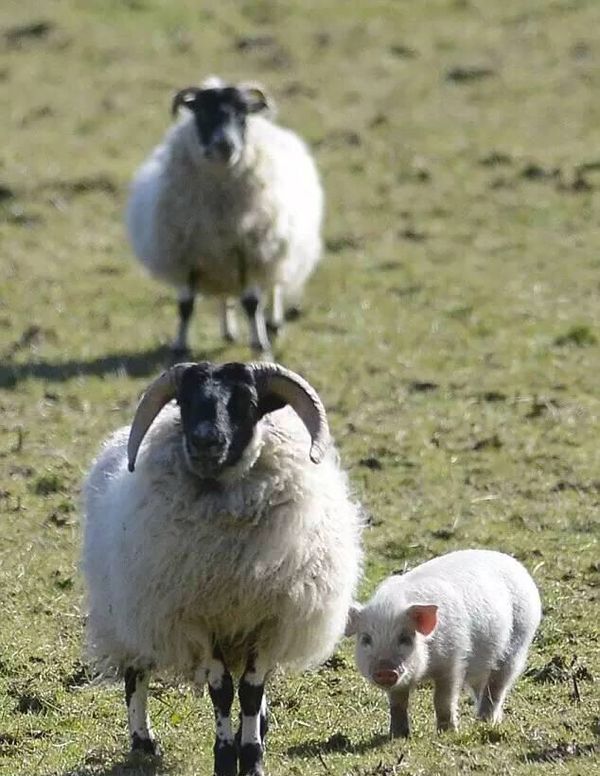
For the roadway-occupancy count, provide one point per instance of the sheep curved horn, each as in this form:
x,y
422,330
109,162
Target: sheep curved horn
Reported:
x,y
156,395
183,98
302,398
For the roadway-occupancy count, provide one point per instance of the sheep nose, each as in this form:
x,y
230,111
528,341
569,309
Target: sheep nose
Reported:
x,y
386,677
206,435
223,148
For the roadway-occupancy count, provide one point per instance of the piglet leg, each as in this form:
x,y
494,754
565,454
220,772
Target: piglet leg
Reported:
x,y
445,701
399,724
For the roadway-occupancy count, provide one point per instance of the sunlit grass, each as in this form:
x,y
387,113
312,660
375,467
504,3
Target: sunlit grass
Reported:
x,y
452,331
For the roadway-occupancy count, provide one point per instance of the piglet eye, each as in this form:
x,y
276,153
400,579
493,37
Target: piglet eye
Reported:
x,y
366,640
404,641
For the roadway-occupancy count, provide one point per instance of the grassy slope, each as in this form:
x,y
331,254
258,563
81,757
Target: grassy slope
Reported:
x,y
452,331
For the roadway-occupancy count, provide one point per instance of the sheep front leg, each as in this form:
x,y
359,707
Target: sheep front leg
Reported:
x,y
136,697
253,305
253,718
220,687
185,303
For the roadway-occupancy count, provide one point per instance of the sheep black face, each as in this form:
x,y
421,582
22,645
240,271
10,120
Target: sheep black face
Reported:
x,y
219,410
220,115
220,407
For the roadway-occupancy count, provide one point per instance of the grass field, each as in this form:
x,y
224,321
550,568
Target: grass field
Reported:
x,y
452,330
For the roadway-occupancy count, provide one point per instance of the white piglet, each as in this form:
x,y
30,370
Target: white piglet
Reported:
x,y
465,618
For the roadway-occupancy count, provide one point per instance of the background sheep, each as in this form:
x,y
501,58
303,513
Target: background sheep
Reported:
x,y
226,550
229,204
466,617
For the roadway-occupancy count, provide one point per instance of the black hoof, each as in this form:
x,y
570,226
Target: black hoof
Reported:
x,y
144,745
251,760
293,313
226,759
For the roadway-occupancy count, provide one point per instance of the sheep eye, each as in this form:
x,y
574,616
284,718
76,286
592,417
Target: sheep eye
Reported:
x,y
239,402
366,640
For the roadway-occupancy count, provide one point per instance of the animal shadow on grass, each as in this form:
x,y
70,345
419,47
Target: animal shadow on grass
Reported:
x,y
134,364
135,764
338,742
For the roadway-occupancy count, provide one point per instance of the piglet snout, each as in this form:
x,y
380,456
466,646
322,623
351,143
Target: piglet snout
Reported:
x,y
386,675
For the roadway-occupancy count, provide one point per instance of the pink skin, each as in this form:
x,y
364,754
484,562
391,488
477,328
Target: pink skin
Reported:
x,y
386,675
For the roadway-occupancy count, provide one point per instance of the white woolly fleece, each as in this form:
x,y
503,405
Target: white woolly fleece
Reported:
x,y
187,213
272,557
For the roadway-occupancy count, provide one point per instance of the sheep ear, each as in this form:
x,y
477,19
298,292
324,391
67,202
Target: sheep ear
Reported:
x,y
269,403
184,98
353,620
423,617
256,100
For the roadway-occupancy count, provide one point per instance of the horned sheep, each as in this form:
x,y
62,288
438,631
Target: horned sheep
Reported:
x,y
214,545
228,205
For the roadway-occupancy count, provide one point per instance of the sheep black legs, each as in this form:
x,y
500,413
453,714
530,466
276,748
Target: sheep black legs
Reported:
x,y
254,308
185,303
136,697
253,727
220,687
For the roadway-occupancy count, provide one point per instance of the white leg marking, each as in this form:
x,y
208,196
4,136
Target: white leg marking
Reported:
x,y
228,320
137,710
277,306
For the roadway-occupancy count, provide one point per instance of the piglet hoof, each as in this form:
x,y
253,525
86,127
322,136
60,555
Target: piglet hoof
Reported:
x,y
145,746
399,732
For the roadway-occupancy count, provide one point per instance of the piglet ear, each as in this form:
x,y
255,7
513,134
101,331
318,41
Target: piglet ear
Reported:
x,y
423,617
352,622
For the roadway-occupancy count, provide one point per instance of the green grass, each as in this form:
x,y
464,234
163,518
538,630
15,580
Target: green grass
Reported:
x,y
452,330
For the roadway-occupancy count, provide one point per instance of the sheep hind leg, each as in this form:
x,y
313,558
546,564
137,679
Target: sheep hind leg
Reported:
x,y
253,727
254,308
220,688
228,322
276,316
136,697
